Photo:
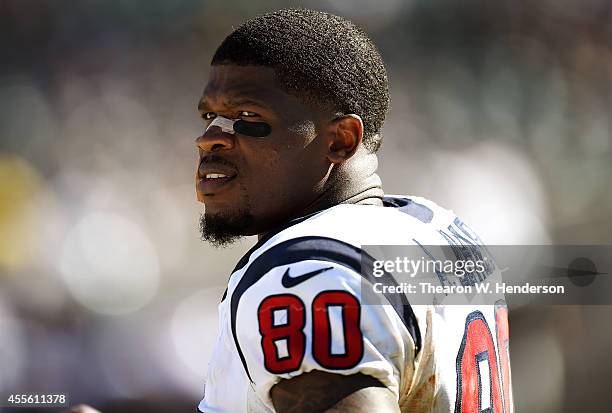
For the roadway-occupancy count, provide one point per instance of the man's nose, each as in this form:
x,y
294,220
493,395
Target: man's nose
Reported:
x,y
214,139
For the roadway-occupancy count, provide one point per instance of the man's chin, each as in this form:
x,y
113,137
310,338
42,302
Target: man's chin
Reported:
x,y
223,229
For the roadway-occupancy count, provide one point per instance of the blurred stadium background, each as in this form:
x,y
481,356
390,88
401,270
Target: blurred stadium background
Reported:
x,y
500,111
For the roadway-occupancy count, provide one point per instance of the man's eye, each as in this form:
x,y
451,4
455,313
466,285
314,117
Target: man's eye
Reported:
x,y
209,115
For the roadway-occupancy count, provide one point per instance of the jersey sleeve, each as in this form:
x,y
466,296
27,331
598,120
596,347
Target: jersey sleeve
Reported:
x,y
310,315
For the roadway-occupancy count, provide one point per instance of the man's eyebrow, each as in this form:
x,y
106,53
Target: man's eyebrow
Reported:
x,y
234,101
238,101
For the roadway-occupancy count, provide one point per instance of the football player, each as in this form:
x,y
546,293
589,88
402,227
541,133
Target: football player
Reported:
x,y
292,113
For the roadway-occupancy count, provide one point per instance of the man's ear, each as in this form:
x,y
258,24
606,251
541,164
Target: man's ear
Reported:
x,y
346,135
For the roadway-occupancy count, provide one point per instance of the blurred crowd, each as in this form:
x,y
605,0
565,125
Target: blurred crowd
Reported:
x,y
499,111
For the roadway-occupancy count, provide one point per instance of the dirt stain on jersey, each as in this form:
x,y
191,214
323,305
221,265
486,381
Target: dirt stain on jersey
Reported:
x,y
421,398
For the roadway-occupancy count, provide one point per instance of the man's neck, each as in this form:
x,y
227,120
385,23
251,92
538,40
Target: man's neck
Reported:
x,y
352,182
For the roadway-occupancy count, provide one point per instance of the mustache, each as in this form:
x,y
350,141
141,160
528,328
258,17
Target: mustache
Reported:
x,y
217,160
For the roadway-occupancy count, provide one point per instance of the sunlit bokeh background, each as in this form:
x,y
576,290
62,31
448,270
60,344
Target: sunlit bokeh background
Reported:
x,y
500,111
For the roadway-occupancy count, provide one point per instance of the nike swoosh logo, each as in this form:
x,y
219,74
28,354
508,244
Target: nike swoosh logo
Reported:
x,y
289,282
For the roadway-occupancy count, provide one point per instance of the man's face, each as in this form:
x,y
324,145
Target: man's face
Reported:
x,y
269,179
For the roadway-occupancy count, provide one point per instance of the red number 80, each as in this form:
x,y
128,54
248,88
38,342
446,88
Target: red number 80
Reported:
x,y
289,328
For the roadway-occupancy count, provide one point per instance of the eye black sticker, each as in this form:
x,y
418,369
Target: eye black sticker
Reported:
x,y
253,129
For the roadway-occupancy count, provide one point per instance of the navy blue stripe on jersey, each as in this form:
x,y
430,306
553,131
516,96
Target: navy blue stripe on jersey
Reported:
x,y
245,258
319,249
243,261
408,206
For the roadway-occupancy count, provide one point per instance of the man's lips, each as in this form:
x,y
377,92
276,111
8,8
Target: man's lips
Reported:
x,y
214,176
209,186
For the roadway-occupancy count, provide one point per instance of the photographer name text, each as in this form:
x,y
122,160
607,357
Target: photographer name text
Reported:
x,y
479,288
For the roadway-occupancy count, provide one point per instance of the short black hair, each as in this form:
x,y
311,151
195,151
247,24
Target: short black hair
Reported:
x,y
322,58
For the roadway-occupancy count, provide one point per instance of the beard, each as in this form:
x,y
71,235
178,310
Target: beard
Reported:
x,y
223,229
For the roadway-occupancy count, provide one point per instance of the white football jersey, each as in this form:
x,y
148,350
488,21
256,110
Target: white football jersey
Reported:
x,y
293,304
